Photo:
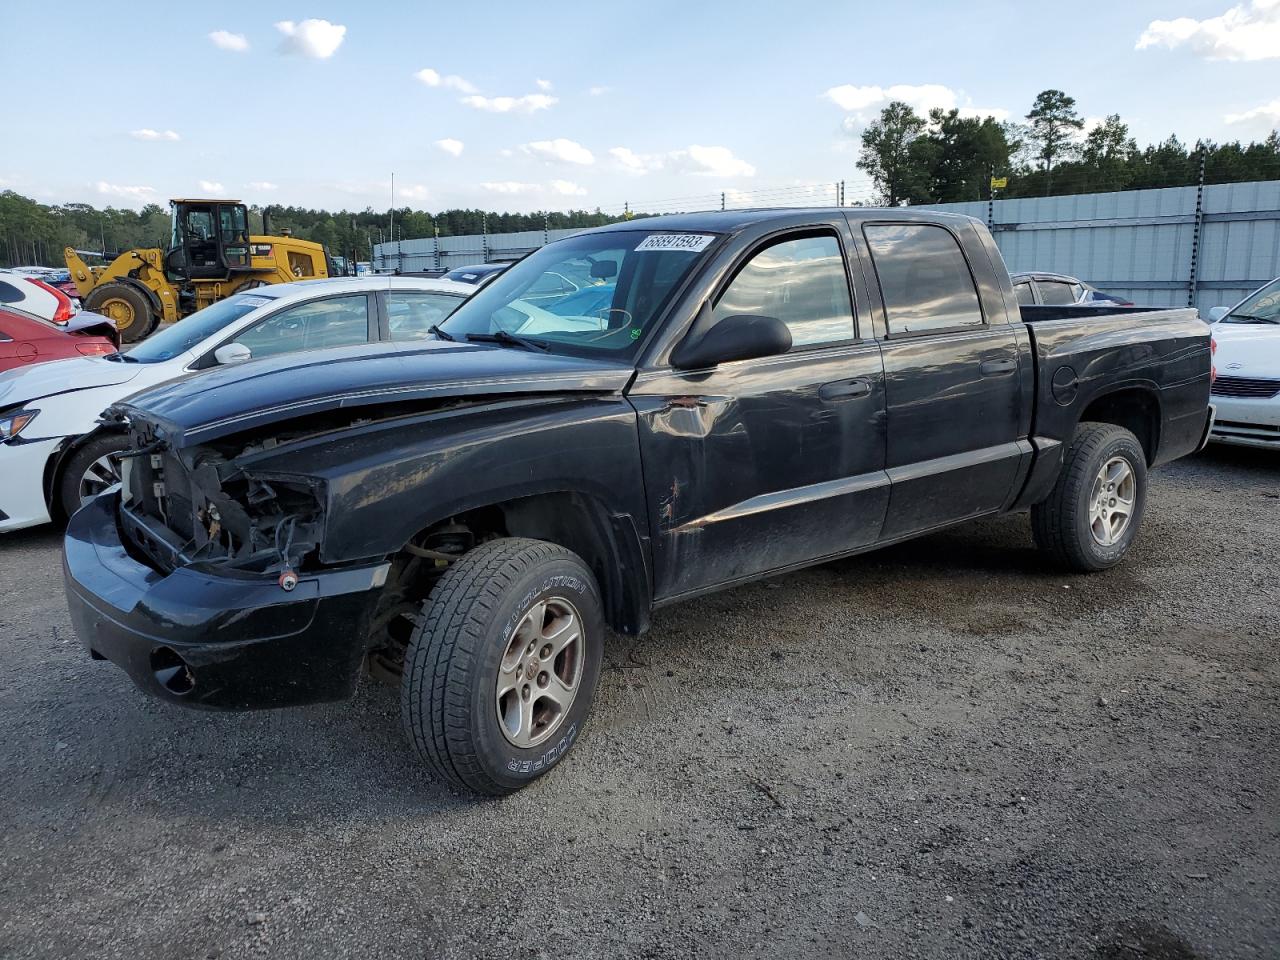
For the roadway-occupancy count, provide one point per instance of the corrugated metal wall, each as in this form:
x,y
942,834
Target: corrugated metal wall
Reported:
x,y
1139,243
461,251
1136,243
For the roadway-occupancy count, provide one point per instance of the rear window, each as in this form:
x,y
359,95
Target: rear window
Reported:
x,y
924,278
1055,291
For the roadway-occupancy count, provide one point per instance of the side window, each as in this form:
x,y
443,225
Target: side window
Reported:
x,y
410,316
335,322
1022,291
801,282
1054,291
10,294
924,278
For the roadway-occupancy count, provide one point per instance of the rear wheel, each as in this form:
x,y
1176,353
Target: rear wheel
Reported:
x,y
503,664
90,470
125,306
1090,519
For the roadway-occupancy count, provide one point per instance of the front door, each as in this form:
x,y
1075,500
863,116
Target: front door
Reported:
x,y
758,465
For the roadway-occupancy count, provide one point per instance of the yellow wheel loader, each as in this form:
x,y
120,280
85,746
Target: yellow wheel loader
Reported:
x,y
210,256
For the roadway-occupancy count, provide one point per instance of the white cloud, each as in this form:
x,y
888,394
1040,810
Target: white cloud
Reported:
x,y
543,85
921,97
318,39
700,160
565,151
568,188
632,162
450,146
226,40
598,91
452,81
262,186
1247,31
529,103
140,194
212,188
412,191
711,162
1265,117
146,133
508,187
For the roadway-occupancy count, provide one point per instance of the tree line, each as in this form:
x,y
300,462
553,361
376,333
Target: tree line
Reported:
x,y
35,233
944,156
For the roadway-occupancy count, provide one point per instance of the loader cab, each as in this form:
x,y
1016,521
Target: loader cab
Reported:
x,y
210,240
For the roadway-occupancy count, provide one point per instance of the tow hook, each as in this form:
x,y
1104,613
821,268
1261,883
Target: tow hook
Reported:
x,y
288,579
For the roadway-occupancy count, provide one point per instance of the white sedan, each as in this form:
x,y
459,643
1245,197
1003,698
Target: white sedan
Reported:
x,y
30,293
1246,393
53,458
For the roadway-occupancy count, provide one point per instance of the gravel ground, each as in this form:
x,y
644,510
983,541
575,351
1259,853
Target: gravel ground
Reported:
x,y
941,750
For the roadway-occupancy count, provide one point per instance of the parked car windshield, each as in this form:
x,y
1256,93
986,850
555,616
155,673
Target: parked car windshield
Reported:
x,y
589,294
187,333
1262,307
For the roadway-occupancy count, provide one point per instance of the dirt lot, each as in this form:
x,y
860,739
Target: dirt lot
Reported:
x,y
941,750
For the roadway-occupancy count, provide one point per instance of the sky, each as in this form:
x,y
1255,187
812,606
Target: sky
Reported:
x,y
558,105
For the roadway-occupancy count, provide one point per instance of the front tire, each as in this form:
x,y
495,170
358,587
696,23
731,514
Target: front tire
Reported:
x,y
1090,519
503,664
90,470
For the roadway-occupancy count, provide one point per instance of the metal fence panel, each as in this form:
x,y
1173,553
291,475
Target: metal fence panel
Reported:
x,y
1140,244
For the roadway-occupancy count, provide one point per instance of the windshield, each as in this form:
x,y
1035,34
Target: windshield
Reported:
x,y
593,293
1262,307
201,325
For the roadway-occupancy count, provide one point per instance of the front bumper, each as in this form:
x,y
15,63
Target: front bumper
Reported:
x,y
22,468
205,639
1247,421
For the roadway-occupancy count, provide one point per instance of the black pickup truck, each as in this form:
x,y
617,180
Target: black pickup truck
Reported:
x,y
705,399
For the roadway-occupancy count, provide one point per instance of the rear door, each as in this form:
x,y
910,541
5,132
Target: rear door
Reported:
x,y
758,465
952,377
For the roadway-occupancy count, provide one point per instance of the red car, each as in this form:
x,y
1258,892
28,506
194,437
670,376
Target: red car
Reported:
x,y
26,339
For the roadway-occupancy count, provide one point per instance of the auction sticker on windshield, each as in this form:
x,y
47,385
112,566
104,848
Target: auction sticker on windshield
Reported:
x,y
251,301
690,242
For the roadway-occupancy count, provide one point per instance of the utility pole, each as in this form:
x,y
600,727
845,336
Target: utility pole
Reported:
x,y
392,224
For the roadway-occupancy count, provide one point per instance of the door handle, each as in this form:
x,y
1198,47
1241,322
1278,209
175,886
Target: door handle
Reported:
x,y
844,389
998,366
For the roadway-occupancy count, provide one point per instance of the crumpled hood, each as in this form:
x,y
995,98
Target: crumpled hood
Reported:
x,y
63,376
234,398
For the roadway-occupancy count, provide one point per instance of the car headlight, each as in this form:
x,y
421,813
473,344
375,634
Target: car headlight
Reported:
x,y
13,422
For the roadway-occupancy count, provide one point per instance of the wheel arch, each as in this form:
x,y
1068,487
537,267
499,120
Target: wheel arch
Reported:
x,y
1136,407
56,467
608,542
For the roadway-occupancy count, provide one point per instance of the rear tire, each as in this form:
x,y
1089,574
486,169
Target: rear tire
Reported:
x,y
90,470
1090,519
502,665
127,307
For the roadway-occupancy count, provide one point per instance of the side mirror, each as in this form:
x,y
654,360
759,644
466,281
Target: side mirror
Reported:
x,y
740,337
232,353
1217,313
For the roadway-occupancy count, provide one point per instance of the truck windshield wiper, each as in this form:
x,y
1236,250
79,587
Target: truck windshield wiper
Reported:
x,y
507,339
435,328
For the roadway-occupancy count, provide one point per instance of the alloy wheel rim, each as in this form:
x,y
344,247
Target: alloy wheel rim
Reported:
x,y
540,672
1112,500
102,473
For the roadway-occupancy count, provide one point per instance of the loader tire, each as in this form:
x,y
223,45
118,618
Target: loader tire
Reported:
x,y
125,306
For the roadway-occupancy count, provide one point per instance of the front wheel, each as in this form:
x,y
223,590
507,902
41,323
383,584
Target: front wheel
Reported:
x,y
1090,519
90,470
502,665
